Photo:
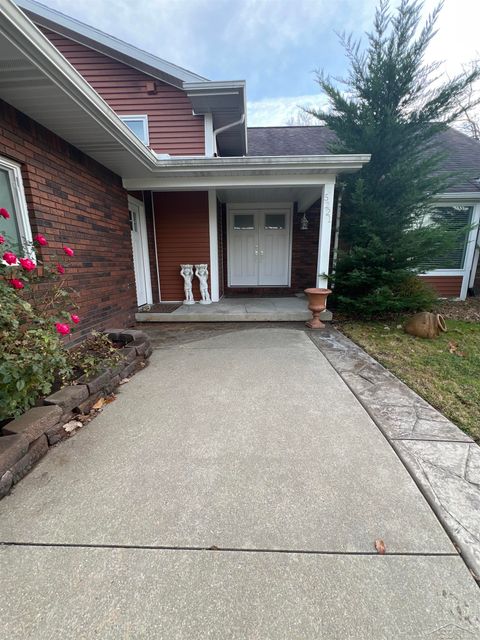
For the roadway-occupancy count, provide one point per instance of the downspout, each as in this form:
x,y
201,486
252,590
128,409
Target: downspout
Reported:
x,y
337,229
224,128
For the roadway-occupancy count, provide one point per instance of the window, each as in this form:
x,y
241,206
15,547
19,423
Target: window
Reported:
x,y
17,228
243,222
275,221
137,125
457,218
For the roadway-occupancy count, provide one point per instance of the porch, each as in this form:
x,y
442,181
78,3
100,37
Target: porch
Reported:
x,y
264,226
284,309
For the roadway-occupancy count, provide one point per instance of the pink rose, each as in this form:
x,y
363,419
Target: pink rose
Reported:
x,y
60,268
17,284
42,241
27,264
75,318
62,328
9,257
4,213
2,239
68,251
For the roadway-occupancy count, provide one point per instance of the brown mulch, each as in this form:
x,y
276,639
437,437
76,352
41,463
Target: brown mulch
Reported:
x,y
466,310
162,308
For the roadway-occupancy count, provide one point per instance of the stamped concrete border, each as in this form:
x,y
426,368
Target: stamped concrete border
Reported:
x,y
443,461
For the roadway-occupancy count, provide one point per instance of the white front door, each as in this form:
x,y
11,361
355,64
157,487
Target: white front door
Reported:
x,y
141,263
259,241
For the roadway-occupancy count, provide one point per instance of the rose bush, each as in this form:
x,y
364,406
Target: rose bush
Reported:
x,y
36,309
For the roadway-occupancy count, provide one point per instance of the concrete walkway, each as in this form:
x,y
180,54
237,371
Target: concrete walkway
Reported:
x,y
233,490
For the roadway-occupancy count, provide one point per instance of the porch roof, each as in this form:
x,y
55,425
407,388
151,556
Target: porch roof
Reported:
x,y
268,171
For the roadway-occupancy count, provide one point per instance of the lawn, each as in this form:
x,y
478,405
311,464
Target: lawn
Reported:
x,y
445,371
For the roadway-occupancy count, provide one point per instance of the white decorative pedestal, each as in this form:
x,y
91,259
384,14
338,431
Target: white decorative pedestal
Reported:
x,y
201,271
186,271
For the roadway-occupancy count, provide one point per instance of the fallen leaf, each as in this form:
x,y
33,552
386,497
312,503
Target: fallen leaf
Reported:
x,y
380,546
98,404
452,346
213,548
124,381
72,425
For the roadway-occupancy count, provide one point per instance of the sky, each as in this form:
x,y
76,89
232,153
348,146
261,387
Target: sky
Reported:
x,y
275,45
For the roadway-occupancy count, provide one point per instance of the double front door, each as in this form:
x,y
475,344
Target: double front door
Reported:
x,y
259,242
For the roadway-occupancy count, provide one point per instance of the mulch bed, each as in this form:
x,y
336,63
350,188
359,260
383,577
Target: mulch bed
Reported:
x,y
466,310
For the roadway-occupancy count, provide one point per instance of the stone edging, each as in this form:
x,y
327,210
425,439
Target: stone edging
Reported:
x,y
443,461
31,434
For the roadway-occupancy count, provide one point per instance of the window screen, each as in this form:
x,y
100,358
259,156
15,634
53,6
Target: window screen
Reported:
x,y
455,218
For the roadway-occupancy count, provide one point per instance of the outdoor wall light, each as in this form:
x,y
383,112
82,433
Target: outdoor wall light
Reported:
x,y
304,222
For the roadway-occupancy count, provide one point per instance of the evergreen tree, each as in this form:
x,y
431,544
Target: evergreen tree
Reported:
x,y
393,105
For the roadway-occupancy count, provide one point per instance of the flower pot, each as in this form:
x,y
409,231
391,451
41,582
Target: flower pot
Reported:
x,y
425,325
317,302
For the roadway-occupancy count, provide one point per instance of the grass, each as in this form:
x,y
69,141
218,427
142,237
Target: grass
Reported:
x,y
444,371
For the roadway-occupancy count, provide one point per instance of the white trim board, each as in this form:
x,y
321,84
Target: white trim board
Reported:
x,y
213,239
133,202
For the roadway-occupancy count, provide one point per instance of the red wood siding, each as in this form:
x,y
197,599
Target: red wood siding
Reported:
x,y
75,201
172,127
445,286
181,221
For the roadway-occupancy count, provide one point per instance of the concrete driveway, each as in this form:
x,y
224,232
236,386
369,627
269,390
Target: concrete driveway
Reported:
x,y
234,489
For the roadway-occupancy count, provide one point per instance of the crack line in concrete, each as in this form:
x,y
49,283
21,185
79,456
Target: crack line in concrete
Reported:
x,y
67,545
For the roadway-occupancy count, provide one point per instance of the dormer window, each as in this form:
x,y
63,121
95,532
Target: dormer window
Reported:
x,y
137,125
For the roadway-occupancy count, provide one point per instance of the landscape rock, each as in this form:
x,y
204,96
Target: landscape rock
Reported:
x,y
6,482
68,398
36,451
12,449
34,422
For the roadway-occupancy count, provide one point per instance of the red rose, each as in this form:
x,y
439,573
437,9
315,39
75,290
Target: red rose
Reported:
x,y
75,318
68,251
60,268
27,264
9,257
62,328
4,213
16,284
42,241
2,239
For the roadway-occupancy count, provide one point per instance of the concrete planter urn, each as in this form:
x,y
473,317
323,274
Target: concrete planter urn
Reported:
x,y
317,302
425,325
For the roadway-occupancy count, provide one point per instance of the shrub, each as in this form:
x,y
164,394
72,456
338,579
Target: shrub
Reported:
x,y
36,308
407,295
32,356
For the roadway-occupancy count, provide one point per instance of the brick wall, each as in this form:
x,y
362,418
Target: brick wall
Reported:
x,y
75,201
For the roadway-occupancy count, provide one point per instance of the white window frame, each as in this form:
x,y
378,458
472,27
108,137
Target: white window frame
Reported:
x,y
20,203
143,118
464,272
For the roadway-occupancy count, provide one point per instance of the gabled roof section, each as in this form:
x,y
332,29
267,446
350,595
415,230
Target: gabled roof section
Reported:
x,y
107,44
462,153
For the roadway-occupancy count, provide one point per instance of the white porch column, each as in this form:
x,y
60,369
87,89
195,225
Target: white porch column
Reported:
x,y
325,233
213,235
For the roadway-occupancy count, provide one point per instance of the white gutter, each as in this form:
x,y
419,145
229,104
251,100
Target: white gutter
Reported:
x,y
224,128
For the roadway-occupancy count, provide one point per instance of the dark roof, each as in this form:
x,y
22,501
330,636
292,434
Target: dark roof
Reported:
x,y
462,155
289,141
462,152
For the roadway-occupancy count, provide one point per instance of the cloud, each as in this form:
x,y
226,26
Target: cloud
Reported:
x,y
271,112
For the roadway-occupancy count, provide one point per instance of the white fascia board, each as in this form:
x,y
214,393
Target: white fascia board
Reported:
x,y
203,183
249,163
31,42
59,22
214,86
